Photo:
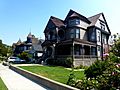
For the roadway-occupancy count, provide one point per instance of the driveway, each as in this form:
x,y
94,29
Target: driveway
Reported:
x,y
15,81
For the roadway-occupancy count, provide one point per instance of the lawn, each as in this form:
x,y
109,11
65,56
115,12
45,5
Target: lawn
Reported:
x,y
2,85
56,73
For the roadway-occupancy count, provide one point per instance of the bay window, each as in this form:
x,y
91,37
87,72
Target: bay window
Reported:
x,y
75,33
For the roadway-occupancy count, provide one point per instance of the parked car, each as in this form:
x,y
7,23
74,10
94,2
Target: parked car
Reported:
x,y
15,60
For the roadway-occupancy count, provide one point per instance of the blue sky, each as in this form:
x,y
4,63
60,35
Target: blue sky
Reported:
x,y
19,17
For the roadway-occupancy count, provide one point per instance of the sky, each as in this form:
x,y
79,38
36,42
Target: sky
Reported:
x,y
19,17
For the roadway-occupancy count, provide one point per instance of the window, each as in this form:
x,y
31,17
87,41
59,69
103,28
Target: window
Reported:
x,y
74,22
49,37
53,37
102,25
72,33
61,34
103,41
99,36
77,33
99,49
93,51
77,21
77,50
93,36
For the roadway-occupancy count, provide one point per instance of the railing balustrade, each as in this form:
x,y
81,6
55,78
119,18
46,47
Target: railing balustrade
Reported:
x,y
76,56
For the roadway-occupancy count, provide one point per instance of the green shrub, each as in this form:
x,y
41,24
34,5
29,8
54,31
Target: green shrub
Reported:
x,y
50,61
66,62
81,67
97,68
69,62
114,58
72,79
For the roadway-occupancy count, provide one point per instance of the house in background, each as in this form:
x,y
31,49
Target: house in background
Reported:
x,y
83,39
32,45
113,38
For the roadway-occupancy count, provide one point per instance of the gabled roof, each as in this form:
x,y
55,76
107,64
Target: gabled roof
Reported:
x,y
94,19
58,22
55,21
73,14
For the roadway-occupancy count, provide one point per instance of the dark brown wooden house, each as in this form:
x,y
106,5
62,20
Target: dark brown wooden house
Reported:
x,y
83,39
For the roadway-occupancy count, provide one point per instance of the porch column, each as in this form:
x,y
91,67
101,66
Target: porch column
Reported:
x,y
90,52
57,34
83,51
73,51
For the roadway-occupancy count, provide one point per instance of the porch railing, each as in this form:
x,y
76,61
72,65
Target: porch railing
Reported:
x,y
85,56
77,56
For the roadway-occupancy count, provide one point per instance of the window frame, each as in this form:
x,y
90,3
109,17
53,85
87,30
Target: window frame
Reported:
x,y
72,33
77,33
74,22
102,26
99,36
93,35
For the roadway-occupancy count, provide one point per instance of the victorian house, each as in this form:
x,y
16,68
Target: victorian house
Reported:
x,y
32,46
83,39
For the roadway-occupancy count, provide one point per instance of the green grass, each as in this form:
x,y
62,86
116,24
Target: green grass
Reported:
x,y
2,85
56,73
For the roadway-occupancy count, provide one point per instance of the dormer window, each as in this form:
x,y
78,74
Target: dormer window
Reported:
x,y
74,22
102,25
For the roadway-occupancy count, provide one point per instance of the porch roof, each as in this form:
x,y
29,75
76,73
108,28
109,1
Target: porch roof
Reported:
x,y
77,41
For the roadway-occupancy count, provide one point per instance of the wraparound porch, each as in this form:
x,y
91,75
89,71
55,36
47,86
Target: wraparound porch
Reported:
x,y
85,60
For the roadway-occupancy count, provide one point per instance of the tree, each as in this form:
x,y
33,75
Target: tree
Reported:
x,y
25,56
4,49
116,48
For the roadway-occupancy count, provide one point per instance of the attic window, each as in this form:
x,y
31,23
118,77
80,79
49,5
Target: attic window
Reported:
x,y
74,22
102,25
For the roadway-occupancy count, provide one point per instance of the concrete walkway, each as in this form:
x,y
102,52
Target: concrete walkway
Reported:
x,y
15,81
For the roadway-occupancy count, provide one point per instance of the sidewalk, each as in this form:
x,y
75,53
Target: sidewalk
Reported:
x,y
15,81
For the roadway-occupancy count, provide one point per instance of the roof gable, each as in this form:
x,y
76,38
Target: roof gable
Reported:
x,y
96,19
73,14
54,22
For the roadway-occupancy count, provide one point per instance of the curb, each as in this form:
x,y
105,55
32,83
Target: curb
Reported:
x,y
42,80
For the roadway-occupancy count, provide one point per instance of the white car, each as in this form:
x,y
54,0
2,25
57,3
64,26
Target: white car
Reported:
x,y
15,60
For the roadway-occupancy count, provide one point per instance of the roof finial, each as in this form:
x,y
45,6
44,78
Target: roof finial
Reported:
x,y
30,29
19,41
